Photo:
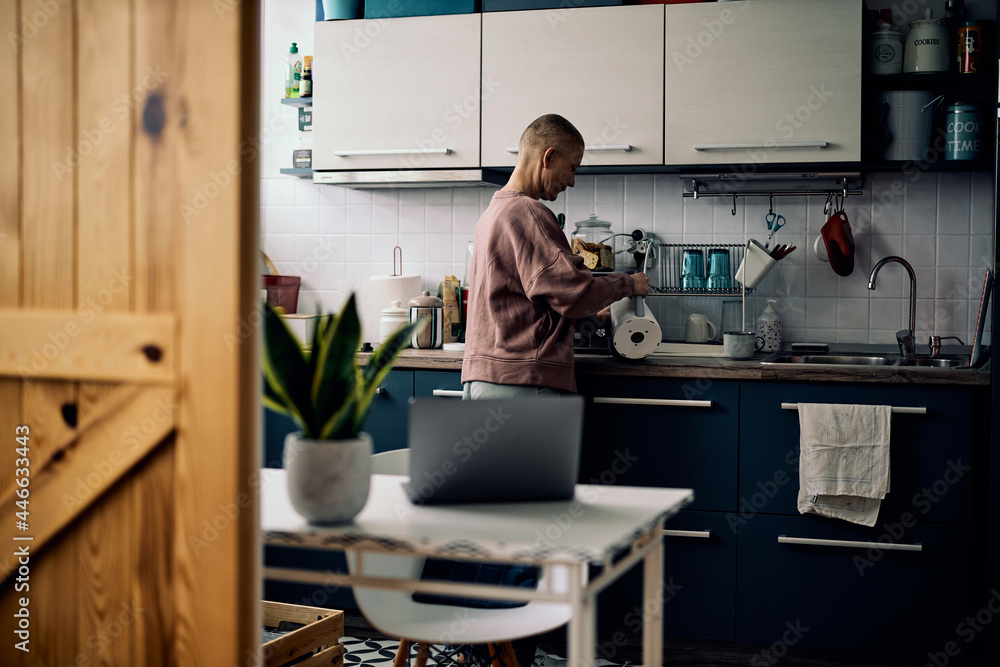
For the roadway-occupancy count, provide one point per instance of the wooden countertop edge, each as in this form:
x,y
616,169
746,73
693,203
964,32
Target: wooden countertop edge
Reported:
x,y
717,368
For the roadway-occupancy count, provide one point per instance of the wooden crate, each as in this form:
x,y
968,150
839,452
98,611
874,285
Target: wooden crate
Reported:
x,y
323,630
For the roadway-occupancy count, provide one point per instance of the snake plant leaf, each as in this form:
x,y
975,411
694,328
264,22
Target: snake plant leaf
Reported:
x,y
286,369
335,381
317,335
340,426
272,400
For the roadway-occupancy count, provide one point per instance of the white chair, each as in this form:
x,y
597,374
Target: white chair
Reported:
x,y
397,615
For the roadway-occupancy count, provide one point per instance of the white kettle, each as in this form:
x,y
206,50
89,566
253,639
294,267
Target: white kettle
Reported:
x,y
635,333
926,47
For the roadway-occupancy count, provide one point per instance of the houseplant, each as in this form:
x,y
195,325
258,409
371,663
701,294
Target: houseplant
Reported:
x,y
328,395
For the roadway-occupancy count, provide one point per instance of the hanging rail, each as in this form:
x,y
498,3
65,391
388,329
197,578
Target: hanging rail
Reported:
x,y
843,189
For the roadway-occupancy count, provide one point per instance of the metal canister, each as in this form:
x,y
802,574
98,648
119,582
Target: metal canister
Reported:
x,y
431,307
964,132
975,40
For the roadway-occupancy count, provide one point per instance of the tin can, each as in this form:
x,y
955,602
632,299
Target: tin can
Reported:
x,y
975,40
964,132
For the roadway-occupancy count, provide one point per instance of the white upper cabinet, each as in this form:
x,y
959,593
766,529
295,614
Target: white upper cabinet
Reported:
x,y
763,82
600,67
397,93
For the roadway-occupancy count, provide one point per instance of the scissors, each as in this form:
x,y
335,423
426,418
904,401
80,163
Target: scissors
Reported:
x,y
775,222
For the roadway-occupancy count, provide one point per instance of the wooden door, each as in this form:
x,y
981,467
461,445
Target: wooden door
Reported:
x,y
600,67
128,254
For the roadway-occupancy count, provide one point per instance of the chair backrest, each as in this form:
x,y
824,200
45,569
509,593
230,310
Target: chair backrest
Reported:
x,y
395,462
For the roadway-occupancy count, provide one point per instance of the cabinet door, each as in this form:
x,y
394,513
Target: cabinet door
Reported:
x,y
600,67
690,442
849,598
388,421
443,384
760,82
397,93
698,598
930,454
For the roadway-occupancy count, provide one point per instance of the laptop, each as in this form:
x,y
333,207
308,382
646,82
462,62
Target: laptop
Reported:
x,y
506,450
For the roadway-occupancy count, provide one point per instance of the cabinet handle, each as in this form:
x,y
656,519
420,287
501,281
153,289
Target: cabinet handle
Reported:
x,y
380,391
670,402
448,393
781,144
895,410
703,534
809,541
394,151
593,149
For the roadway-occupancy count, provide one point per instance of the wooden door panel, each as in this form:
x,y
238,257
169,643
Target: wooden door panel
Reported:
x,y
138,414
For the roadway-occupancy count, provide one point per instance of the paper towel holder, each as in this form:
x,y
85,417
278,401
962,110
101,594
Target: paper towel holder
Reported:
x,y
397,252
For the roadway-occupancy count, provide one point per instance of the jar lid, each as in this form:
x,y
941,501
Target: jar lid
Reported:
x,y
425,300
963,106
886,32
395,309
927,20
980,22
592,221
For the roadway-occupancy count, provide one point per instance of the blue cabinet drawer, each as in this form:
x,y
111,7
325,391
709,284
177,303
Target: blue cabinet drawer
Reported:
x,y
930,454
691,443
851,598
388,421
698,598
443,384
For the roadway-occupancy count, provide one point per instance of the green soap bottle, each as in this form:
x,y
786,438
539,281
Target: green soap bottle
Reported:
x,y
293,71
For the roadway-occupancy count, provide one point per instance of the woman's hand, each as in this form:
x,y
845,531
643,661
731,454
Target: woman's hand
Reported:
x,y
641,284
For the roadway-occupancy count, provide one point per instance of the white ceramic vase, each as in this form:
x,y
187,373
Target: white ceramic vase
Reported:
x,y
328,480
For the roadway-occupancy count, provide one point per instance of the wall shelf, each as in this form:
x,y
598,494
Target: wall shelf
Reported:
x,y
297,101
299,172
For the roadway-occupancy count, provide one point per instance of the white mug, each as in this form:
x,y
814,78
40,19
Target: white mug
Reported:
x,y
699,329
741,344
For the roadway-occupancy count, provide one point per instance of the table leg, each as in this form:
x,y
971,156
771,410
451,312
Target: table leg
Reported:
x,y
583,624
652,605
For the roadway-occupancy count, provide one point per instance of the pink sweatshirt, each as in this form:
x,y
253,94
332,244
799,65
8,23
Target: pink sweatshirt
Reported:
x,y
526,288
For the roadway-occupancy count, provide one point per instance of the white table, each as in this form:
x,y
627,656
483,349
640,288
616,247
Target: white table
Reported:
x,y
596,527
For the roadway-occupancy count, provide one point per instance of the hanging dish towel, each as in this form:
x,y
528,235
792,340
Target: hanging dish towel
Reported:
x,y
844,460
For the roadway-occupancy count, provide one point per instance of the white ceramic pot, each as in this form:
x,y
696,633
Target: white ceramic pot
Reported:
x,y
328,480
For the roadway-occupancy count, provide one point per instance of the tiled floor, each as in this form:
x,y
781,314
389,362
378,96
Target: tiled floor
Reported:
x,y
677,653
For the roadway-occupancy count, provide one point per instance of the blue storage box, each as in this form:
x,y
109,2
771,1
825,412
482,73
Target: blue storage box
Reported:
x,y
380,9
512,5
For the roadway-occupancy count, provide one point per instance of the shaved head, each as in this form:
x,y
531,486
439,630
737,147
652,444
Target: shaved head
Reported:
x,y
550,130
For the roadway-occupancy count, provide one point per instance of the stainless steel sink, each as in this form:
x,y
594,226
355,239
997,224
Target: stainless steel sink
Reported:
x,y
862,359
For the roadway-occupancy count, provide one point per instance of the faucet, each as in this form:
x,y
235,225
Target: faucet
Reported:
x,y
904,337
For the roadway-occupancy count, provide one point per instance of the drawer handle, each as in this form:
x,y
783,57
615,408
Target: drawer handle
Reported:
x,y
670,402
380,391
703,534
895,410
809,541
780,144
394,151
448,393
593,149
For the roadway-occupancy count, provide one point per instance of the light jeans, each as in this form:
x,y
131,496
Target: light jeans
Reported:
x,y
477,390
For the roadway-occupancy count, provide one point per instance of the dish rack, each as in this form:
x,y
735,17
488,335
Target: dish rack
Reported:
x,y
671,269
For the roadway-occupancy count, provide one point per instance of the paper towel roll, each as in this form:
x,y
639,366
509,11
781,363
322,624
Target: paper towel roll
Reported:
x,y
379,292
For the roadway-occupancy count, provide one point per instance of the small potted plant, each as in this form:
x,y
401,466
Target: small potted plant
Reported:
x,y
328,395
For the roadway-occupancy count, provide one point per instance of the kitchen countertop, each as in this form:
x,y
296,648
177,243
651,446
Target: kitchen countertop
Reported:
x,y
721,368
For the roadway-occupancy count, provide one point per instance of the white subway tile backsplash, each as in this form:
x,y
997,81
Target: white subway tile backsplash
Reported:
x,y
920,204
278,192
306,193
438,219
306,220
954,203
952,251
942,223
385,219
331,195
